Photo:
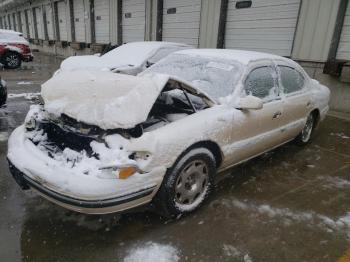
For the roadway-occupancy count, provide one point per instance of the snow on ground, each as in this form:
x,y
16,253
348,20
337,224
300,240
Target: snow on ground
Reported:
x,y
311,218
25,95
151,252
24,83
3,136
231,251
341,135
334,182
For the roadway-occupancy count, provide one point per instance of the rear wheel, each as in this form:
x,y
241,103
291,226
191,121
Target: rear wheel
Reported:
x,y
305,135
12,60
188,183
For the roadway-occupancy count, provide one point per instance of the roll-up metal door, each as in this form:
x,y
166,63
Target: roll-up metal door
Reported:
x,y
49,21
30,23
1,24
102,21
39,22
133,20
19,22
181,21
23,22
343,51
14,22
62,20
265,26
79,20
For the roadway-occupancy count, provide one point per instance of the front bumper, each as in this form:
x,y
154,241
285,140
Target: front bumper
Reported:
x,y
31,168
28,57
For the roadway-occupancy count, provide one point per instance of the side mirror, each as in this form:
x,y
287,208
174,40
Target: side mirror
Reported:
x,y
250,102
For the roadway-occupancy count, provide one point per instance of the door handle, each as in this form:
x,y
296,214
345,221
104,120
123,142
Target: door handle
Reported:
x,y
277,115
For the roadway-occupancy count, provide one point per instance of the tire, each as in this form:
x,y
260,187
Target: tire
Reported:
x,y
12,60
306,133
187,184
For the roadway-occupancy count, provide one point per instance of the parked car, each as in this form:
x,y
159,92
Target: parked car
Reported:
x,y
3,92
14,49
106,142
131,58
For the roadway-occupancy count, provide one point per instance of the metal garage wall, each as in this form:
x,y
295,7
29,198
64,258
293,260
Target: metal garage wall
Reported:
x,y
102,21
62,20
343,51
14,21
39,22
267,26
49,21
79,20
133,20
181,20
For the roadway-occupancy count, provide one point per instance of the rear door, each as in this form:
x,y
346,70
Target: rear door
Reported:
x,y
296,97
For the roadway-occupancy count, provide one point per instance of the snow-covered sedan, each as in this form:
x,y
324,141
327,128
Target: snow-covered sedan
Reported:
x,y
131,58
105,142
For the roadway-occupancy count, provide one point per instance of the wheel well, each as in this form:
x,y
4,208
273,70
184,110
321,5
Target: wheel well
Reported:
x,y
212,147
316,114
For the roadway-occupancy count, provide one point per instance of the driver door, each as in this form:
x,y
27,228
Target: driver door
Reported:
x,y
256,131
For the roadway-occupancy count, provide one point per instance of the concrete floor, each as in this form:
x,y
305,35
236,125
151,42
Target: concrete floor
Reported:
x,y
291,204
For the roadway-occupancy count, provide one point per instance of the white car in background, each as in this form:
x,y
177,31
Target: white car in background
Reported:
x,y
131,58
105,142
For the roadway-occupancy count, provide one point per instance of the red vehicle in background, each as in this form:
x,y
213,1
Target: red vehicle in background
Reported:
x,y
14,49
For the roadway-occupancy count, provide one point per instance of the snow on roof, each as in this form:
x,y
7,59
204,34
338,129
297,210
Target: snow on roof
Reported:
x,y
7,31
242,56
12,37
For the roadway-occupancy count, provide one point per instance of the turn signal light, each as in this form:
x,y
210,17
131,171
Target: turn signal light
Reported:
x,y
126,172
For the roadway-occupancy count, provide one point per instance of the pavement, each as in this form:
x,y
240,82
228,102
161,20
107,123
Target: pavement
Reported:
x,y
291,204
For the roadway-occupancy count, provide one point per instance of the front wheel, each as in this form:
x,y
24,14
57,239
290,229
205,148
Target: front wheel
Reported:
x,y
188,183
12,60
305,135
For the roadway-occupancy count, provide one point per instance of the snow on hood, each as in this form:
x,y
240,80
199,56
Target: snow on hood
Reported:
x,y
84,62
12,38
101,98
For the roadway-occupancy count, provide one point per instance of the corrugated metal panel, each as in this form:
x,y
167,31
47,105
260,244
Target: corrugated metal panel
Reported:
x,y
343,51
49,21
31,23
102,21
79,20
181,21
62,20
23,21
267,26
39,22
133,20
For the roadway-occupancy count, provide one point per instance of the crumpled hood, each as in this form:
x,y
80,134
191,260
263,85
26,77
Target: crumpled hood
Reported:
x,y
90,62
105,99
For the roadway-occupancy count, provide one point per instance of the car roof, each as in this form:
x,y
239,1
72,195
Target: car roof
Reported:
x,y
7,31
242,56
158,44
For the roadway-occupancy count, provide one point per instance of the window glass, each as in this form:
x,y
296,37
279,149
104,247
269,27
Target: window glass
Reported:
x,y
260,83
292,80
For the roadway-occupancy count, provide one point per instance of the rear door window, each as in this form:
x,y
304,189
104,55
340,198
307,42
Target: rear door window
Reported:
x,y
292,80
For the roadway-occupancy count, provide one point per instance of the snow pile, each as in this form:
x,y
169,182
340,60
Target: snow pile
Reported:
x,y
310,218
100,98
231,251
151,252
28,96
336,182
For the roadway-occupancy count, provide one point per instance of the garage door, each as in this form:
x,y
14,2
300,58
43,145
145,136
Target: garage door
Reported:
x,y
133,20
62,20
79,21
181,20
14,22
102,21
266,26
39,22
49,21
23,22
344,43
30,23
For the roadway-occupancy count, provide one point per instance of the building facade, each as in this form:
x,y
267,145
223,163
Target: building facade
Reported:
x,y
316,33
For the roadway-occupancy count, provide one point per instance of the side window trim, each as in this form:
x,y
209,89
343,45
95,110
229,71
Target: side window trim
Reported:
x,y
275,77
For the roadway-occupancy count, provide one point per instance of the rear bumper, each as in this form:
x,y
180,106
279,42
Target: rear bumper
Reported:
x,y
85,206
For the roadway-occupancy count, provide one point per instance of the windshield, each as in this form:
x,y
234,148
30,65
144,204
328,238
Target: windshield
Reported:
x,y
132,54
214,76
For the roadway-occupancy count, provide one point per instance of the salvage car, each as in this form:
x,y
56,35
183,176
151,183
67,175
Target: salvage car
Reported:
x,y
104,142
131,58
3,92
14,49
